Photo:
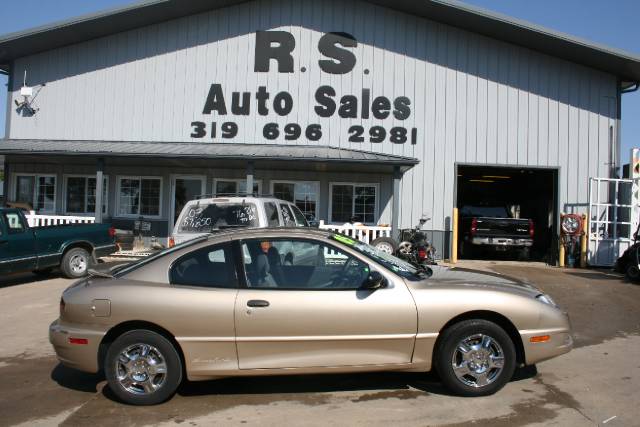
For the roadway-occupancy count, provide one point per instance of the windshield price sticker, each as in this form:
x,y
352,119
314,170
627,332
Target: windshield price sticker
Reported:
x,y
336,51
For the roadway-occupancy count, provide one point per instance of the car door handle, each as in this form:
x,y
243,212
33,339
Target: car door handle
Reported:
x,y
257,303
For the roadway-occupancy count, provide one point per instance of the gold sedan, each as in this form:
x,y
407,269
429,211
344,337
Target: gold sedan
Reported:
x,y
293,301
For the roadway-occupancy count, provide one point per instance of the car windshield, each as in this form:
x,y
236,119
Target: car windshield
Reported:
x,y
205,217
398,266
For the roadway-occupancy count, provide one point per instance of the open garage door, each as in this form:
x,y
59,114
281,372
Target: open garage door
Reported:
x,y
519,198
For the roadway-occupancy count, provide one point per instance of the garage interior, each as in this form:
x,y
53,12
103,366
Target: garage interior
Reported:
x,y
528,193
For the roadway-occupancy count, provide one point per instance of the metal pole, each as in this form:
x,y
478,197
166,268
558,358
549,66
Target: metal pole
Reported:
x,y
395,209
6,181
583,241
99,190
454,243
250,170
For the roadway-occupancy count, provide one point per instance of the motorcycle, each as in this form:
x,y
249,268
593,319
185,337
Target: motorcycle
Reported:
x,y
414,247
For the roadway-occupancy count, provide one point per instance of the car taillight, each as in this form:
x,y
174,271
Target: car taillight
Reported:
x,y
172,242
531,229
62,306
112,232
422,253
474,226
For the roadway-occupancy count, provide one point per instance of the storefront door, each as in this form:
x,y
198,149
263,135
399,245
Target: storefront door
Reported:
x,y
183,189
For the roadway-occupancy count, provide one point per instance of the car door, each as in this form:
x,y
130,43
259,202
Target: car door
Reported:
x,y
205,282
17,245
301,307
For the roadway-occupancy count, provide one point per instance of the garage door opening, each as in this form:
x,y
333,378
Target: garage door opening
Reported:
x,y
520,199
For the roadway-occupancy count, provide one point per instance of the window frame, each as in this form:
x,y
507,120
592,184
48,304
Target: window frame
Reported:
x,y
294,182
376,212
237,181
36,190
242,271
119,179
233,250
105,201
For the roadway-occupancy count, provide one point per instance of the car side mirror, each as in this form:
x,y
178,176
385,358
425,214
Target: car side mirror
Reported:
x,y
374,281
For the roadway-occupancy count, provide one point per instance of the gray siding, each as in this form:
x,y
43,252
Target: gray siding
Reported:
x,y
474,99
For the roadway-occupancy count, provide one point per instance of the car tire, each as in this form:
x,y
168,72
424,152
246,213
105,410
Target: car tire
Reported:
x,y
475,358
143,368
385,244
76,263
633,272
524,254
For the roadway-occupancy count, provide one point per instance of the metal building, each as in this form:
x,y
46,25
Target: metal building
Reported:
x,y
348,107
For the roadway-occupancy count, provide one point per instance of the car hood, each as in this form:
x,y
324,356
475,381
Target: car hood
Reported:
x,y
453,277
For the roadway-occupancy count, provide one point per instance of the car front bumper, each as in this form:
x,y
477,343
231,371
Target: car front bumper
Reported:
x,y
560,342
83,355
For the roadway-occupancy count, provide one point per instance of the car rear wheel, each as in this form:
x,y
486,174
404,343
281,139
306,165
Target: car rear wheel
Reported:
x,y
143,368
75,263
475,358
633,272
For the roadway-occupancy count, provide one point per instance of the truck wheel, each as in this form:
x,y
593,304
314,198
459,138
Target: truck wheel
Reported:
x,y
385,244
143,368
633,272
524,254
75,263
475,358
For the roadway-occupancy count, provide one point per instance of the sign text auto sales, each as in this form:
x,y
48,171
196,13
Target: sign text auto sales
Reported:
x,y
340,59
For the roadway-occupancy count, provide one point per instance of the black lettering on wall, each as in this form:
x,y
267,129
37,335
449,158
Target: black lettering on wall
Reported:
x,y
262,96
401,108
348,107
238,108
327,106
283,103
215,101
380,107
281,51
343,60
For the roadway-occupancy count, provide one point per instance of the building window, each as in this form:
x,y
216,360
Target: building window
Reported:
x,y
80,194
231,187
304,194
39,191
139,196
357,201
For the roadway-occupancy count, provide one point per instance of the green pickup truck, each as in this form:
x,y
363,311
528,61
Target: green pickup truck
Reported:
x,y
41,249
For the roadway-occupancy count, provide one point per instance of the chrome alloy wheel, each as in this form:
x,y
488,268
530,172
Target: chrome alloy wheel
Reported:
x,y
78,264
405,248
478,360
141,369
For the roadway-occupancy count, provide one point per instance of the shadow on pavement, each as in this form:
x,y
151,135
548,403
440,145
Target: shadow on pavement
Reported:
x,y
390,384
24,278
76,380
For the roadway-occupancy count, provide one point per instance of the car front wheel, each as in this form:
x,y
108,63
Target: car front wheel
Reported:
x,y
143,368
475,358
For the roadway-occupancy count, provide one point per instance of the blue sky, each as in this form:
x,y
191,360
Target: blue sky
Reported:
x,y
609,22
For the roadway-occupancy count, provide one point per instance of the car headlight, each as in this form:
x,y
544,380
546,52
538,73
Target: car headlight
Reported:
x,y
546,299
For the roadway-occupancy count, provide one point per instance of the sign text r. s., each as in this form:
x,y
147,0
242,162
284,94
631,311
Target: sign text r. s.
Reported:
x,y
279,45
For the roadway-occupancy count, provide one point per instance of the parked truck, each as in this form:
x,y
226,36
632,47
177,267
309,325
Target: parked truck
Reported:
x,y
72,248
493,228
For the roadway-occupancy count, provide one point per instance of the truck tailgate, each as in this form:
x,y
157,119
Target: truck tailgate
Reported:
x,y
502,227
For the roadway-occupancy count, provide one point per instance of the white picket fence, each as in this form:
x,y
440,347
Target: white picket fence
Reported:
x,y
36,220
364,233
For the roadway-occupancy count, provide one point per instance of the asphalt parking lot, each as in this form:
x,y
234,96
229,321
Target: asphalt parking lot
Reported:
x,y
596,384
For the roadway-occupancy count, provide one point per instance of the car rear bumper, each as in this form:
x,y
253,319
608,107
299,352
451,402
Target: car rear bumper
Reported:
x,y
82,356
559,342
502,241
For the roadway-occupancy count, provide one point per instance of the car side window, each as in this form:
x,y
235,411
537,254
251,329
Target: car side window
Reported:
x,y
272,214
210,267
301,221
14,223
301,264
288,219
